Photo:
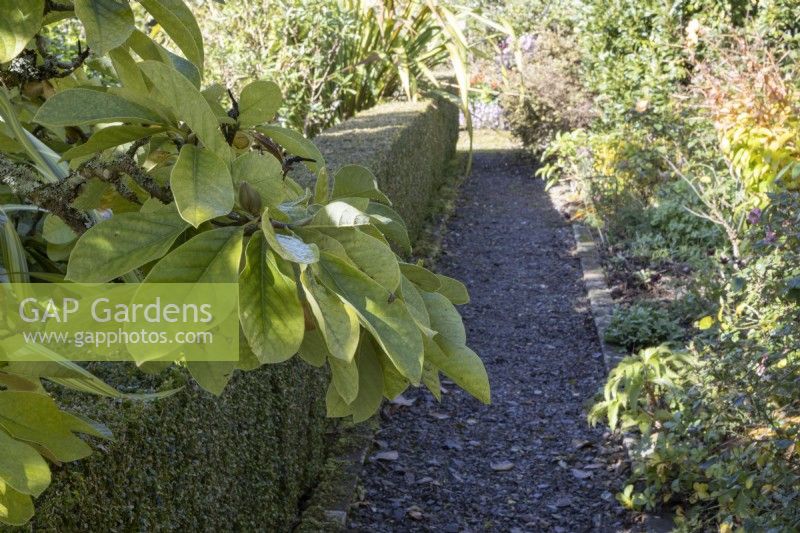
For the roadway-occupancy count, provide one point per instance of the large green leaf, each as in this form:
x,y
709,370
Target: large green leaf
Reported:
x,y
22,467
384,316
460,364
264,173
294,143
345,378
179,23
269,307
389,222
335,405
454,290
46,160
336,321
16,509
421,276
149,50
444,317
289,247
313,349
370,381
430,378
128,72
258,103
213,376
371,255
210,257
177,92
369,390
202,185
413,299
80,107
111,137
73,376
354,181
21,20
124,242
394,384
108,23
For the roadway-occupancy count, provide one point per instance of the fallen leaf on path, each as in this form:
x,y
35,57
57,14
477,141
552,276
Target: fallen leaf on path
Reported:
x,y
386,456
403,401
415,512
502,466
581,474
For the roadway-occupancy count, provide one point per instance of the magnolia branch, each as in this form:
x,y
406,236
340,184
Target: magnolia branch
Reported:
x,y
57,198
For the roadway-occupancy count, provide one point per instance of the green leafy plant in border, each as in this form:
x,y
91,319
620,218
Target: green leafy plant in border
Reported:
x,y
155,179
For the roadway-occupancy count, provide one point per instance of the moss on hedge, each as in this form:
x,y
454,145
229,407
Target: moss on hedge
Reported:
x,y
248,460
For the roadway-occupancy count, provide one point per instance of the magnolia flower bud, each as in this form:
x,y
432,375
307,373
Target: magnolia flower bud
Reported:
x,y
241,141
249,199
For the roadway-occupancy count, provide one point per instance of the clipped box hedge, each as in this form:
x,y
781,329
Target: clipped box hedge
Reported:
x,y
406,144
248,460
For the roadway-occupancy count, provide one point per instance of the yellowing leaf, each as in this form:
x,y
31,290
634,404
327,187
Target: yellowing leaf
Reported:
x,y
705,323
370,381
15,508
354,181
177,92
453,290
19,23
336,321
345,378
202,185
21,466
116,246
460,364
387,319
269,308
210,257
80,107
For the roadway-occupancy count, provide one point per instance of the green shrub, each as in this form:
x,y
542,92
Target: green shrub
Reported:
x,y
553,100
641,325
718,440
696,126
335,58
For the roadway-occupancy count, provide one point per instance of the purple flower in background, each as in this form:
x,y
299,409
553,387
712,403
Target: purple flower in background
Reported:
x,y
770,236
527,42
754,217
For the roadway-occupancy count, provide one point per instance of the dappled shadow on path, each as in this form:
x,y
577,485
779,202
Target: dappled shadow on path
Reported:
x,y
528,462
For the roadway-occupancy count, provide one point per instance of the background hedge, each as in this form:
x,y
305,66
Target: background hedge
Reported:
x,y
406,144
247,460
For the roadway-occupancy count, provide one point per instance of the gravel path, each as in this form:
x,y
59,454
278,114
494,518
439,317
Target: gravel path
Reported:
x,y
529,462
